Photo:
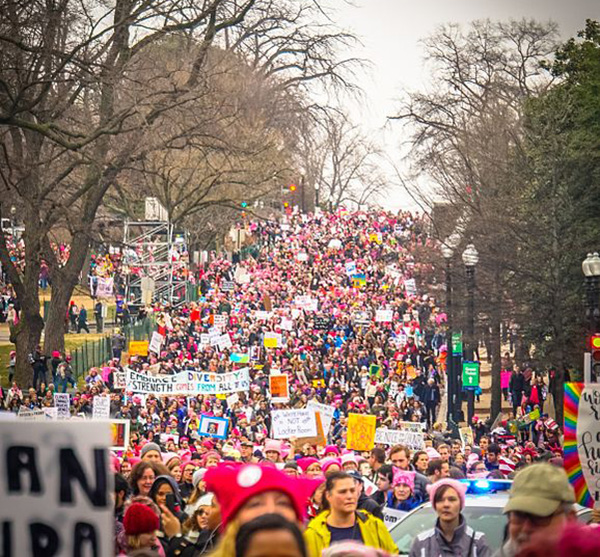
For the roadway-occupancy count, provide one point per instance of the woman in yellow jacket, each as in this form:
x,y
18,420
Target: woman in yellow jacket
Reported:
x,y
343,522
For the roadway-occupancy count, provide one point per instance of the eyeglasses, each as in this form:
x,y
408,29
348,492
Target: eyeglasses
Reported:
x,y
519,517
202,512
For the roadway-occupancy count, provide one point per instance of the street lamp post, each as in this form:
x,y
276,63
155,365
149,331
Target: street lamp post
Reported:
x,y
13,214
470,258
591,269
448,252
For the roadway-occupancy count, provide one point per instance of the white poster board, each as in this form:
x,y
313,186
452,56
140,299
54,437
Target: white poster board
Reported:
x,y
101,408
326,412
293,423
392,516
156,342
413,440
62,402
384,315
57,487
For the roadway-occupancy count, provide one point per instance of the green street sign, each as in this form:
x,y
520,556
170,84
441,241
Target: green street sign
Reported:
x,y
470,374
457,344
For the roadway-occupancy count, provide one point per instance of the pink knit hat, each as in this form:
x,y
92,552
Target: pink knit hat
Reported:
x,y
404,477
306,462
459,487
329,461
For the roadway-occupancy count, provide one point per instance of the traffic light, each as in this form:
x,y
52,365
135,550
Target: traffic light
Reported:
x,y
595,352
293,188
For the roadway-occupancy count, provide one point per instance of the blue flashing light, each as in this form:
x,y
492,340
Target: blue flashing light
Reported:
x,y
483,485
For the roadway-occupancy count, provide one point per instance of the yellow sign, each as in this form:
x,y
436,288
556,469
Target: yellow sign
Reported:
x,y
318,383
361,432
138,348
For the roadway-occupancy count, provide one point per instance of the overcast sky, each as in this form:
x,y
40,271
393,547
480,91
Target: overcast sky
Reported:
x,y
390,31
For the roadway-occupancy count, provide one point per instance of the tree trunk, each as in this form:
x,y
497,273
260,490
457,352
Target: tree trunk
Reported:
x,y
26,336
495,322
54,339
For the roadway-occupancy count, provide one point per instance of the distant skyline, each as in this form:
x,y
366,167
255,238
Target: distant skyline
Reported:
x,y
390,31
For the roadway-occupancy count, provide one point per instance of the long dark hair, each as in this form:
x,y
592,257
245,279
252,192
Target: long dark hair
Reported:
x,y
268,522
330,484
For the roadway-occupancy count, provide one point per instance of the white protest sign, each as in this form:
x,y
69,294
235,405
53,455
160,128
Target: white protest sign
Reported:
x,y
302,256
384,315
119,379
56,497
293,423
232,399
189,382
105,287
50,412
204,339
62,402
220,321
286,324
588,438
101,408
33,415
156,342
350,267
391,517
326,412
168,321
224,341
262,315
410,439
411,287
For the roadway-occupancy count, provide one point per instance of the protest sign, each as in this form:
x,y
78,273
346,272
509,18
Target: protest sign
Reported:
x,y
156,342
56,499
384,315
350,267
32,415
232,399
166,437
392,516
358,280
361,318
286,324
279,388
410,286
272,340
220,321
466,436
189,382
412,440
227,286
119,435
325,410
138,348
101,408
238,358
361,432
320,439
529,418
211,426
293,423
262,315
322,322
582,440
318,383
50,412
302,256
62,403
204,339
105,288
119,380
224,342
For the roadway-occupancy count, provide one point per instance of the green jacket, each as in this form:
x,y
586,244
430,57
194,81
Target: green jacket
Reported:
x,y
373,531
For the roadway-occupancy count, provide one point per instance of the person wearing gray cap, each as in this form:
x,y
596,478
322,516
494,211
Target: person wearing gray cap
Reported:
x,y
540,502
151,453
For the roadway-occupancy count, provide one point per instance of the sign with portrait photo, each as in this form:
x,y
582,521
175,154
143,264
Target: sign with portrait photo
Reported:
x,y
211,426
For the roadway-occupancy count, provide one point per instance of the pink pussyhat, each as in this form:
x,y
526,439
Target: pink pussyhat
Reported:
x,y
459,487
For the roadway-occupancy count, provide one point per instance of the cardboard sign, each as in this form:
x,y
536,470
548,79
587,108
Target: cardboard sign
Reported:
x,y
319,440
119,431
466,436
272,340
56,493
232,399
156,342
138,348
293,423
101,408
224,342
62,402
410,439
211,426
279,388
361,432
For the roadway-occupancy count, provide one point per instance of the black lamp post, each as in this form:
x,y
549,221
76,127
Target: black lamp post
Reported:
x,y
591,270
447,252
470,258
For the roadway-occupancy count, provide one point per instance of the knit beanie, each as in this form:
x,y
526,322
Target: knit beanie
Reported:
x,y
198,476
149,447
140,519
459,487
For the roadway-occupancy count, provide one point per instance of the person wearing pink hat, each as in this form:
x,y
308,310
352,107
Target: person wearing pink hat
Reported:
x,y
402,496
329,465
331,451
310,466
451,534
273,450
349,462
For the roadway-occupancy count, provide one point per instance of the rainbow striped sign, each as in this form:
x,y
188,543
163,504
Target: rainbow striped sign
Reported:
x,y
573,438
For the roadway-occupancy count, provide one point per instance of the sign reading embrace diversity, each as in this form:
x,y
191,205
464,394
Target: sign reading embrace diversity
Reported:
x,y
189,382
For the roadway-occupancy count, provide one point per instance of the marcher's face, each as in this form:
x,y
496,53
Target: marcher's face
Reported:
x,y
314,470
349,466
146,481
264,503
176,473
126,469
445,472
273,543
402,492
521,526
444,454
152,456
400,460
211,462
448,507
148,540
383,484
484,444
188,472
273,456
202,518
161,494
422,462
343,497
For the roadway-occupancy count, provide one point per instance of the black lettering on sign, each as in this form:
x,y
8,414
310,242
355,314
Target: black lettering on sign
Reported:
x,y
84,536
44,540
22,459
70,469
6,539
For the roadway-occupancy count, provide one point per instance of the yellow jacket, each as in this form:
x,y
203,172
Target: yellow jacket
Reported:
x,y
373,531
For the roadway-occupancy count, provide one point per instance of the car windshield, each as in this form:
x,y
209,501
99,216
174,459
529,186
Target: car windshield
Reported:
x,y
488,520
